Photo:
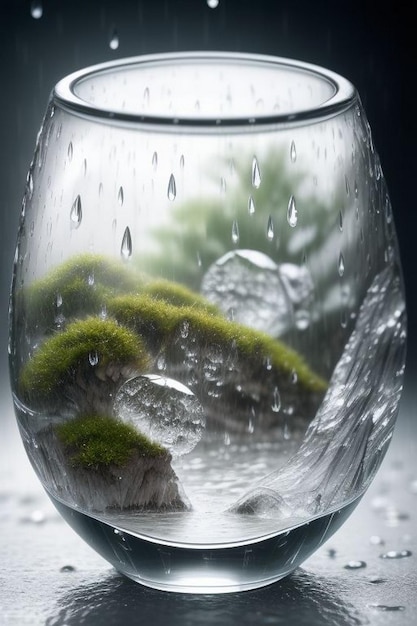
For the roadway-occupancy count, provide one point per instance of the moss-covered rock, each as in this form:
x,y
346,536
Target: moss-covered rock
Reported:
x,y
84,365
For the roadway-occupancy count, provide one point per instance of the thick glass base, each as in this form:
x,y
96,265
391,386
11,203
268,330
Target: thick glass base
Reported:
x,y
219,568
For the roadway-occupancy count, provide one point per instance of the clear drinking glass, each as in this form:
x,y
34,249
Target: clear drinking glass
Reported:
x,y
207,314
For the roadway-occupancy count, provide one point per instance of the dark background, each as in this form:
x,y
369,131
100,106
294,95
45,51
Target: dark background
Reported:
x,y
366,41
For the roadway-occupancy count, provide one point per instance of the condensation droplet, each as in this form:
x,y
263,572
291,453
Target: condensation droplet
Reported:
x,y
70,151
251,206
276,403
126,247
76,214
114,39
293,152
256,173
341,265
355,565
172,188
270,229
36,9
235,232
292,213
120,196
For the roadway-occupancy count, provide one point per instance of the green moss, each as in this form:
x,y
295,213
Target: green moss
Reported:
x,y
148,317
99,441
57,360
178,295
81,285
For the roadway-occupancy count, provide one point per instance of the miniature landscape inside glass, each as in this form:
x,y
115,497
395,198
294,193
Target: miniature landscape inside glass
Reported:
x,y
205,375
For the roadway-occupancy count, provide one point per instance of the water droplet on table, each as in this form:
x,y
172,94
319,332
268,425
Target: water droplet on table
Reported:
x,y
386,607
396,554
355,565
164,410
67,568
76,214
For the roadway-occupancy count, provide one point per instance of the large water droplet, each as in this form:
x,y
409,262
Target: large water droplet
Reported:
x,y
126,247
256,173
114,39
248,283
355,565
172,188
164,410
235,232
120,196
293,152
36,9
76,214
396,554
212,4
270,233
341,265
292,213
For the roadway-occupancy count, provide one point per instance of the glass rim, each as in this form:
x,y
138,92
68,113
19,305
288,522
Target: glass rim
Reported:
x,y
344,94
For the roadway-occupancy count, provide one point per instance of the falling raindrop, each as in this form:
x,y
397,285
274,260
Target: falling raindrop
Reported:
x,y
341,265
235,232
182,161
36,9
256,173
341,220
155,160
347,186
126,247
293,152
70,151
100,189
76,214
93,358
114,40
222,185
270,229
251,206
172,188
85,167
120,196
302,319
292,213
294,377
212,4
286,432
146,96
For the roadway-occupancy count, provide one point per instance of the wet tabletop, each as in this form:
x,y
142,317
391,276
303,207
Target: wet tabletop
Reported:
x,y
49,576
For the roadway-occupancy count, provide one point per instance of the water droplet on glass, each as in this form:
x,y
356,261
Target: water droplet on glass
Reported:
x,y
120,196
93,358
256,173
270,229
235,232
164,410
249,283
172,188
292,214
396,554
341,265
251,206
155,160
212,4
36,9
293,152
114,40
126,247
355,565
76,214
70,151
276,403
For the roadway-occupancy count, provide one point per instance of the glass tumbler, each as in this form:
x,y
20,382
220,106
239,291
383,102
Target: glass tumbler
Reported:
x,y
207,321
